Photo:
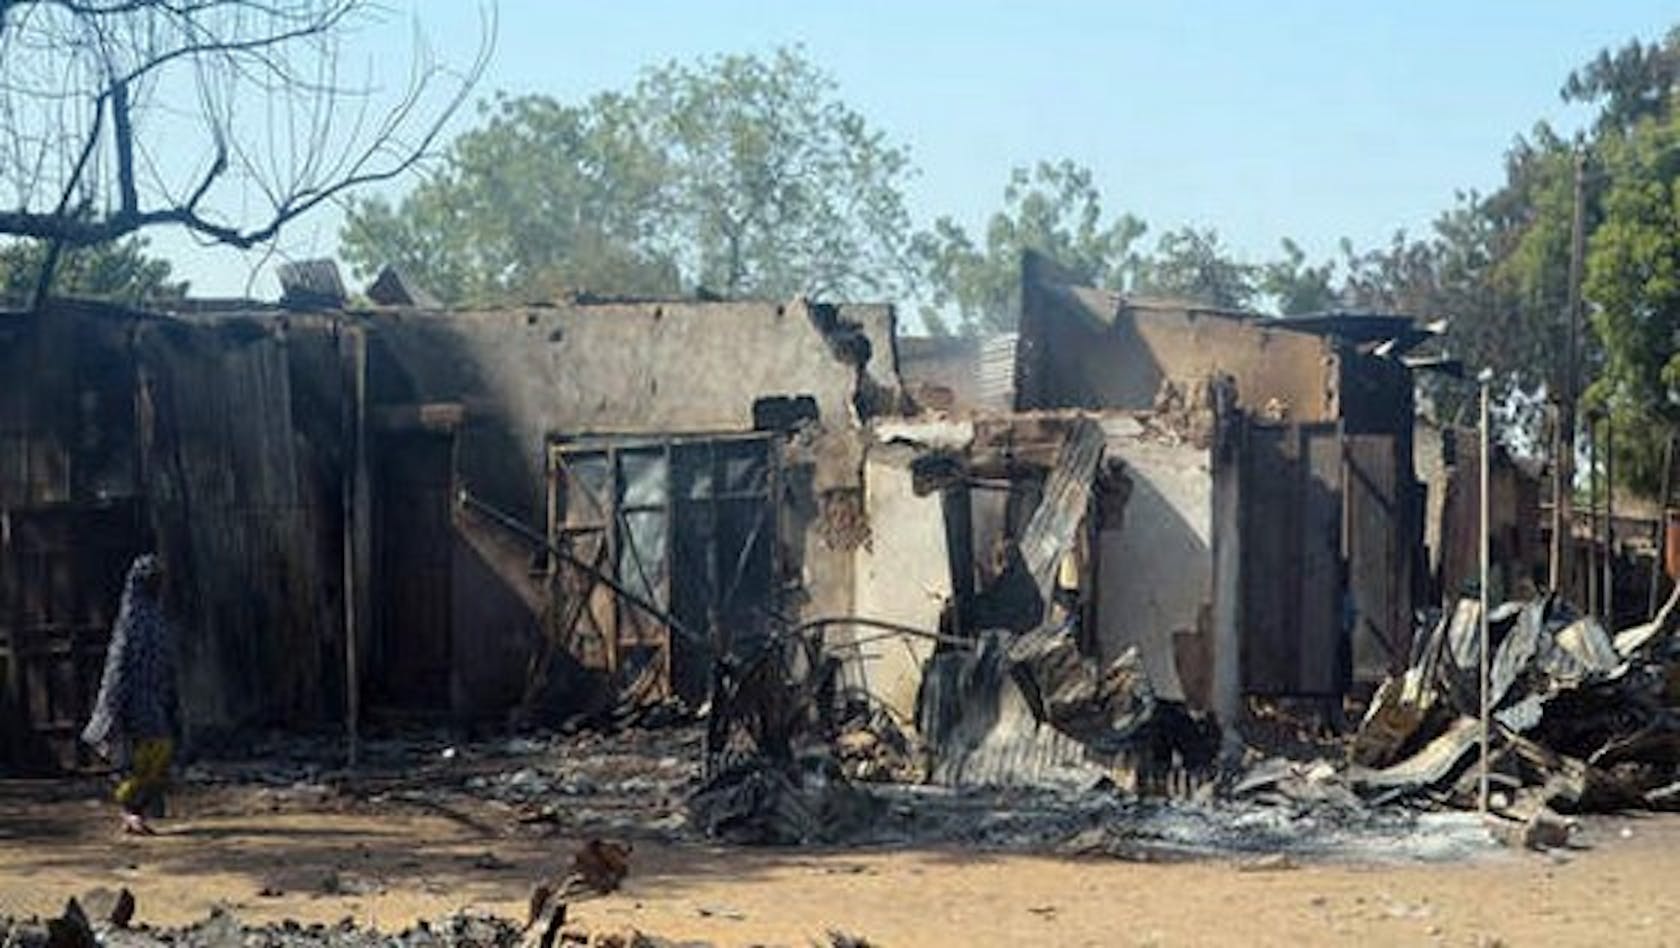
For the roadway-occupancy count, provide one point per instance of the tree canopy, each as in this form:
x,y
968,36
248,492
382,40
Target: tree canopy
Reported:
x,y
1053,207
741,175
119,271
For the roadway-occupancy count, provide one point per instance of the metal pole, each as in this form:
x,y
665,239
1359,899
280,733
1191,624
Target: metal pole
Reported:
x,y
1607,588
1482,789
1593,594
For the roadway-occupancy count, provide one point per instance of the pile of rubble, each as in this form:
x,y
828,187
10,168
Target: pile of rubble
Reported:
x,y
1581,720
76,927
599,867
1024,739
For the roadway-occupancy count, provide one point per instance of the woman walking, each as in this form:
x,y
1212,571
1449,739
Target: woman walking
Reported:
x,y
133,722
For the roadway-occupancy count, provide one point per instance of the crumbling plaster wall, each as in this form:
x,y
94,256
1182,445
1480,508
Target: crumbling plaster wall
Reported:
x,y
1155,566
1154,575
902,575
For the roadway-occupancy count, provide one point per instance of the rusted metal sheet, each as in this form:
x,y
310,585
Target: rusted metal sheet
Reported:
x,y
67,410
997,372
240,443
1292,639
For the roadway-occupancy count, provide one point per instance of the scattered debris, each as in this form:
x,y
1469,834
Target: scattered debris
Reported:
x,y
1271,862
105,907
602,865
223,930
1581,721
1541,831
489,861
598,868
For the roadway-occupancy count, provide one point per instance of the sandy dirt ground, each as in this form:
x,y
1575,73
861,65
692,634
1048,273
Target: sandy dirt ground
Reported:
x,y
404,862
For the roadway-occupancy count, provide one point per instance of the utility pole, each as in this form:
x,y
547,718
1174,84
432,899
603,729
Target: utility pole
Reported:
x,y
1563,439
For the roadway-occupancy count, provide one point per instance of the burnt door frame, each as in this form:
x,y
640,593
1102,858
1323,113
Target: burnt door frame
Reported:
x,y
699,484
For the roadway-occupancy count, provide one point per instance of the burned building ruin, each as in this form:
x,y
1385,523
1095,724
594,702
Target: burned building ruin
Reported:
x,y
417,512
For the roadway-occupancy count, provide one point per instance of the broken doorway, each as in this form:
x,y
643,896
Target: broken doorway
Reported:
x,y
687,525
1294,641
415,543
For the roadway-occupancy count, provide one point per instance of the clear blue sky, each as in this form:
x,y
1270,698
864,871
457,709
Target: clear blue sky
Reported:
x,y
1315,120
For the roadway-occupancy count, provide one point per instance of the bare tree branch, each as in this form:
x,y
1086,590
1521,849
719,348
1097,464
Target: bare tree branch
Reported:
x,y
104,102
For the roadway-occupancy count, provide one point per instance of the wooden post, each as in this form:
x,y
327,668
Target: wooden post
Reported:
x,y
355,496
1482,782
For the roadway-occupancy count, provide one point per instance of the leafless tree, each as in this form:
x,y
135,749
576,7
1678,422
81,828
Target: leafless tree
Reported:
x,y
228,118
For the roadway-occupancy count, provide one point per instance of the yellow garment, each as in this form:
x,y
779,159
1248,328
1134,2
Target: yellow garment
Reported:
x,y
147,776
1067,575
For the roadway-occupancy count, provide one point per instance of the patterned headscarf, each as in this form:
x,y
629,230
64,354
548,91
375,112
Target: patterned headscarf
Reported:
x,y
137,692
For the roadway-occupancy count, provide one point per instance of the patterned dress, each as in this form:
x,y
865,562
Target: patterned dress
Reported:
x,y
137,695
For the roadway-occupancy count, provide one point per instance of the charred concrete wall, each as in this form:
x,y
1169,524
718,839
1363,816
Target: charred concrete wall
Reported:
x,y
231,438
1332,442
941,373
606,372
1082,347
528,376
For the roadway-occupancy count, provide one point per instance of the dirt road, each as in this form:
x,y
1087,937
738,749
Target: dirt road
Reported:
x,y
391,868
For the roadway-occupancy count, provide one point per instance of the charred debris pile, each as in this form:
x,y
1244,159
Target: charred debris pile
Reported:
x,y
792,748
1070,755
1583,720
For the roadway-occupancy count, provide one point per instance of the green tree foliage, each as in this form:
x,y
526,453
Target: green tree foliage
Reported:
x,y
1055,208
1295,286
1190,264
1629,85
541,196
771,184
744,175
1634,283
120,272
